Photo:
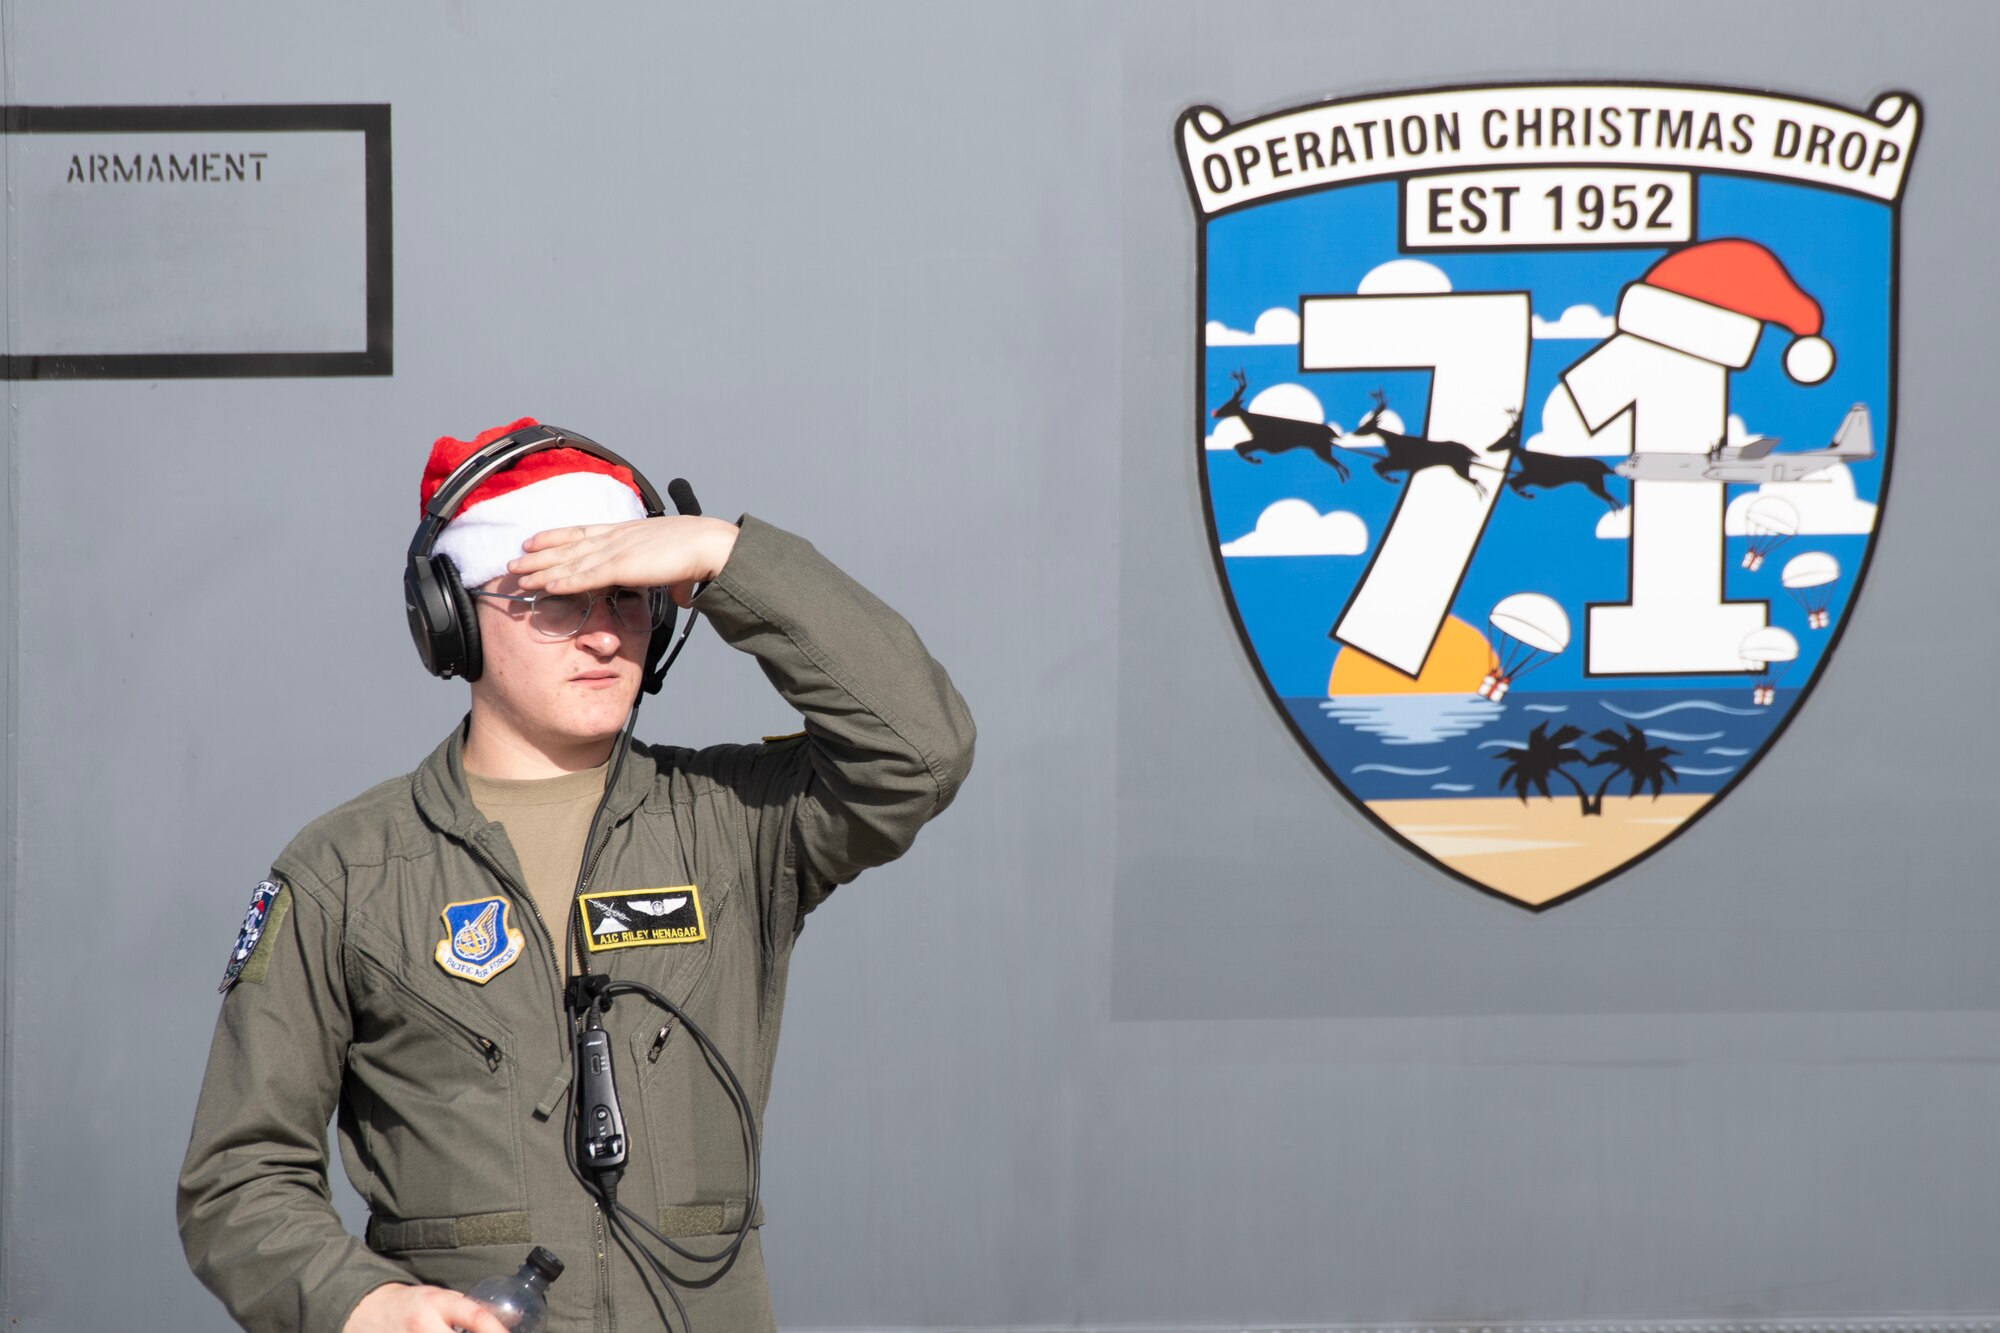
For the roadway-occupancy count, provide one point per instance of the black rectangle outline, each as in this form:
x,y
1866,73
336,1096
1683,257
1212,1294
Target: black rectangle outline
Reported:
x,y
1403,215
370,119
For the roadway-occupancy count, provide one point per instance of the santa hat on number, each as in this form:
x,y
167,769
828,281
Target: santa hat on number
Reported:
x,y
1712,300
553,488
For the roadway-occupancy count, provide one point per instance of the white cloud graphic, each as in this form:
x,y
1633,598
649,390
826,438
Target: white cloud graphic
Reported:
x,y
1579,321
1229,432
1563,431
1735,433
1390,421
1827,505
1280,400
1294,527
1403,276
1276,327
1616,525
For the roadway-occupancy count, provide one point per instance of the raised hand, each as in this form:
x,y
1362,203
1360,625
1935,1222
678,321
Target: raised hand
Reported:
x,y
677,551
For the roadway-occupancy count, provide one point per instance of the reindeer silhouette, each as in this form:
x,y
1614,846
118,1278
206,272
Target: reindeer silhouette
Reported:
x,y
1528,468
1411,454
1275,435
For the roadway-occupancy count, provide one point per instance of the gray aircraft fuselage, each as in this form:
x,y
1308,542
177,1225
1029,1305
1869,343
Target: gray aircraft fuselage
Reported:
x,y
1704,467
1754,463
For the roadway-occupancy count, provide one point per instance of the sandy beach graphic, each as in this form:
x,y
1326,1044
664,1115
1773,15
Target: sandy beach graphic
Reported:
x,y
1537,851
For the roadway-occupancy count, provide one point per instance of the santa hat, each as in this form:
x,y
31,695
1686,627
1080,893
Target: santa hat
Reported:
x,y
552,488
1713,298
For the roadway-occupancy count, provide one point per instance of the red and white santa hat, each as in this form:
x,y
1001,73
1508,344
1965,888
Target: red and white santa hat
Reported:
x,y
1712,300
553,488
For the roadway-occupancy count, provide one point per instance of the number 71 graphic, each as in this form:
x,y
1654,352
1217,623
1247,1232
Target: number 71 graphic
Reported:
x,y
1476,346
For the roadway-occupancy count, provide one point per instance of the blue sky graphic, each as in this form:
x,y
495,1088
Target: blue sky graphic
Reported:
x,y
1837,247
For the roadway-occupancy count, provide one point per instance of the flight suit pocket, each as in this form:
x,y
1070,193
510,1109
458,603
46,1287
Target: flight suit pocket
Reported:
x,y
440,1112
692,1138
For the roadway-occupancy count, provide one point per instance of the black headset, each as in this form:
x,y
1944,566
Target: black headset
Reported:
x,y
443,623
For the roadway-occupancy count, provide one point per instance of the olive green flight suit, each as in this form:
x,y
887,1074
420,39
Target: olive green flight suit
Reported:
x,y
451,1094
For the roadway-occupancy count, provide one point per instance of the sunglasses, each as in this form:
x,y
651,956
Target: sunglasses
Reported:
x,y
562,615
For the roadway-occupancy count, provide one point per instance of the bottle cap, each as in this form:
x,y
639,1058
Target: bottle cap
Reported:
x,y
545,1263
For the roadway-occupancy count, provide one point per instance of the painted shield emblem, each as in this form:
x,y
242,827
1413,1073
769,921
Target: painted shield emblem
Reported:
x,y
1544,436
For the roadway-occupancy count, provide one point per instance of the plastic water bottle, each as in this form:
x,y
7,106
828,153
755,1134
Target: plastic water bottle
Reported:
x,y
520,1300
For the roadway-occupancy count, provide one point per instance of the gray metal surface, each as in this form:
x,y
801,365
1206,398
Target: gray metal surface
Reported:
x,y
916,280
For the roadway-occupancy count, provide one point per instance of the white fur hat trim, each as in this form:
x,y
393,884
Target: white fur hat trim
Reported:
x,y
485,536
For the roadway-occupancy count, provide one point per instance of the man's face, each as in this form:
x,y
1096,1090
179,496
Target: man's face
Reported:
x,y
554,692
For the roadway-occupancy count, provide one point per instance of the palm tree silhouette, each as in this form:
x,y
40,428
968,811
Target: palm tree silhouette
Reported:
x,y
1541,758
1629,754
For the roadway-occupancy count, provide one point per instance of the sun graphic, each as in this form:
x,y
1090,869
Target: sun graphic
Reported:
x,y
1459,660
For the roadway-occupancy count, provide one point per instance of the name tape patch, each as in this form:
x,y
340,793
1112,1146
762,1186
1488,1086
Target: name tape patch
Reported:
x,y
632,918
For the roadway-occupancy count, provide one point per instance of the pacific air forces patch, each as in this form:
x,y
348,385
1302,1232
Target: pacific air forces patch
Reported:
x,y
478,944
629,918
1491,388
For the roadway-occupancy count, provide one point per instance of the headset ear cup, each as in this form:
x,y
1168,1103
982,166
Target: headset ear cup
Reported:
x,y
428,587
464,649
418,601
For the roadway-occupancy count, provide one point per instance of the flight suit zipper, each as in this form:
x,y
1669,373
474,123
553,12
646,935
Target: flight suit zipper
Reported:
x,y
583,886
603,1269
563,1040
481,1043
548,937
687,998
597,1220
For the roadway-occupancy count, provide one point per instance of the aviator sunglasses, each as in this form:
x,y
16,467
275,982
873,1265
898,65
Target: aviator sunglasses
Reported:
x,y
562,615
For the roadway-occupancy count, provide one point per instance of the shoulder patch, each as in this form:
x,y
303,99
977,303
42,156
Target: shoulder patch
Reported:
x,y
248,961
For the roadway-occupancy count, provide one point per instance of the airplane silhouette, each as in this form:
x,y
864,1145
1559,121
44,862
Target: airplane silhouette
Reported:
x,y
1756,461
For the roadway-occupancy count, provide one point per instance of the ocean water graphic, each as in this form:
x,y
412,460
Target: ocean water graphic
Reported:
x,y
1399,747
1709,704
1412,719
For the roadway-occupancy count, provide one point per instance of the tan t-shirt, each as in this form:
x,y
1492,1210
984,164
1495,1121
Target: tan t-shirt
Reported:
x,y
547,820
